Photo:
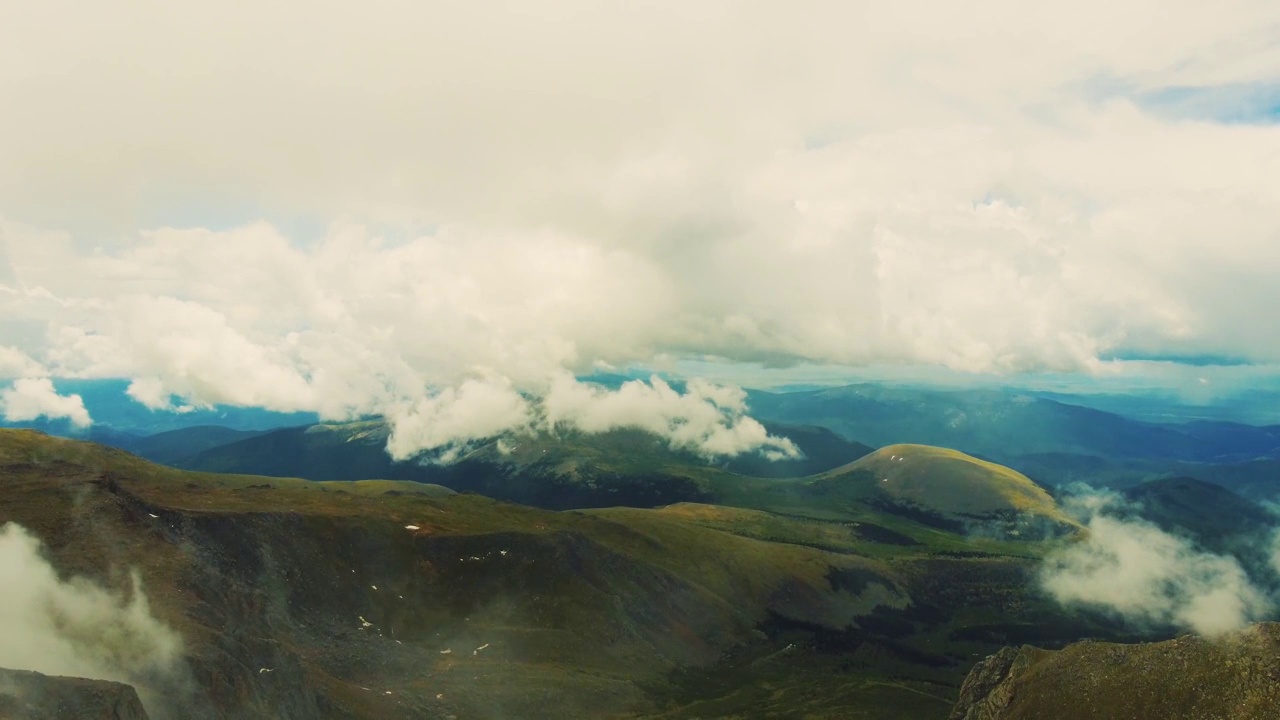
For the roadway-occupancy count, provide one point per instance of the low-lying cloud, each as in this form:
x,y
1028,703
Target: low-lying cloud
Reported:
x,y
33,398
75,627
706,419
452,418
1147,576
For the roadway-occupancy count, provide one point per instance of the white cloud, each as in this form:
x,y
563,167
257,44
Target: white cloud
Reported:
x,y
514,195
151,393
1146,575
14,363
706,419
476,410
33,398
76,628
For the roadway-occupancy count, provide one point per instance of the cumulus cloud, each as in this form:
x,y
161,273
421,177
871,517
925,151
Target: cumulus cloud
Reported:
x,y
74,627
503,197
1148,576
707,419
451,341
451,418
33,398
150,392
16,364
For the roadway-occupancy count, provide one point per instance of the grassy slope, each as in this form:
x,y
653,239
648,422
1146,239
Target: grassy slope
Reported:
x,y
929,494
579,609
677,612
950,482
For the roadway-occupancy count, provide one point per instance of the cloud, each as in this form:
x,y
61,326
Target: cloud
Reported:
x,y
74,627
503,197
14,363
439,106
33,398
707,419
1147,576
151,393
476,410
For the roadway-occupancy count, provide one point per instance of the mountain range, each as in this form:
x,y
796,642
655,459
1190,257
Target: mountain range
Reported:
x,y
306,574
394,599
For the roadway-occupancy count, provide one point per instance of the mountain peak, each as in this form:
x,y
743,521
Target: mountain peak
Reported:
x,y
948,483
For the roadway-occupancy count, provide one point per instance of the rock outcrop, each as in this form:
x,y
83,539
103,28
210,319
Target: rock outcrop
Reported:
x,y
1236,677
28,695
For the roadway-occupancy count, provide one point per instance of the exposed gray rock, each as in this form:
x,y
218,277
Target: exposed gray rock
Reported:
x,y
988,689
28,695
1234,677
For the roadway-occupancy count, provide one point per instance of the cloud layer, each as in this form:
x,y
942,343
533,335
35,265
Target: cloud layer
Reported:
x,y
462,206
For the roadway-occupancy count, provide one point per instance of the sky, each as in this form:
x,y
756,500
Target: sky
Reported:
x,y
443,213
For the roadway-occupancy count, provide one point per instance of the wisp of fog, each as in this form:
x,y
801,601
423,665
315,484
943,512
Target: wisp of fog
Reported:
x,y
75,627
1147,576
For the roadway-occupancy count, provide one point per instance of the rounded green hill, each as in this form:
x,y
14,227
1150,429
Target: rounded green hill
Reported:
x,y
946,482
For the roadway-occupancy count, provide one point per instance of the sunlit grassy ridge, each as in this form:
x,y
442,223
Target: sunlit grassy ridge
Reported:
x,y
938,497
949,482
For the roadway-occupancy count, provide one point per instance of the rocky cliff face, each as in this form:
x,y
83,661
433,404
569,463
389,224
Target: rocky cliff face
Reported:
x,y
32,696
1232,678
